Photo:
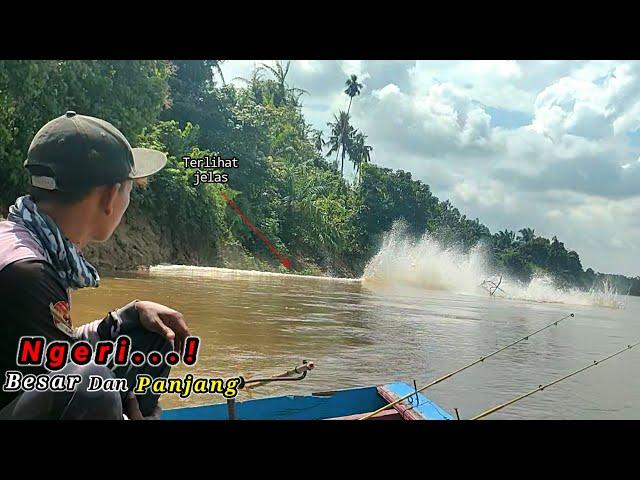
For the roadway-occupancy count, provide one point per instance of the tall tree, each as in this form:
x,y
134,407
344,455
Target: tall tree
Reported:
x,y
255,84
526,235
339,141
216,65
304,220
359,151
284,94
195,99
353,88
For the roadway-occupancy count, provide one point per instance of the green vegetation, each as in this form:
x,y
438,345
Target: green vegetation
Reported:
x,y
290,182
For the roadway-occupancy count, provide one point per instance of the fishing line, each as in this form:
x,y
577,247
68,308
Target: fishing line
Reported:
x,y
542,387
449,375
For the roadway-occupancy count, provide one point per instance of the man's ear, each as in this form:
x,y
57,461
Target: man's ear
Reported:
x,y
108,197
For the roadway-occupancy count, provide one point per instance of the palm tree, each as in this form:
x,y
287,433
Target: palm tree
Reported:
x,y
353,89
341,132
284,93
301,193
526,235
254,83
505,238
359,152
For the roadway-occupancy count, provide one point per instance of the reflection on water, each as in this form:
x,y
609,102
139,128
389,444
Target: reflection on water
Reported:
x,y
263,324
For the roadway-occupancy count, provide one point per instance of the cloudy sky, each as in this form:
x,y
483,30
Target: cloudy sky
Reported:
x,y
551,145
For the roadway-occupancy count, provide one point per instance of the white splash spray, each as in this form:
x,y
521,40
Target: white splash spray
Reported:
x,y
424,263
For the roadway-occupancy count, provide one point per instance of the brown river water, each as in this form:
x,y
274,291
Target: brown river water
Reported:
x,y
379,329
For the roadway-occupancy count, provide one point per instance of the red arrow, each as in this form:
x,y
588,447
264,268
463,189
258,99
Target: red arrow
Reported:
x,y
285,262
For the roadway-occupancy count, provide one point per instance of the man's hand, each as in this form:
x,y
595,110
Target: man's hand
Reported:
x,y
165,321
133,409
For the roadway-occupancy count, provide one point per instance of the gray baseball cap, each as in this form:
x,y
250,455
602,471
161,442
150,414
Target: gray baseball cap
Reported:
x,y
74,152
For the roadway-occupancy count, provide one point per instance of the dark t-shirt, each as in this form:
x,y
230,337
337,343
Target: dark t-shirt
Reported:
x,y
28,291
34,303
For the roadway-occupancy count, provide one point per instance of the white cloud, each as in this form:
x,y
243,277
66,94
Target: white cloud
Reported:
x,y
554,214
594,103
357,67
572,106
487,194
310,66
386,91
511,85
505,69
439,121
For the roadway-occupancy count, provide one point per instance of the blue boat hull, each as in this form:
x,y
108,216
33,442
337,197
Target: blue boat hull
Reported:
x,y
319,406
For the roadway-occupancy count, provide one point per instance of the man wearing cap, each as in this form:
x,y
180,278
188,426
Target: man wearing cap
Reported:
x,y
82,170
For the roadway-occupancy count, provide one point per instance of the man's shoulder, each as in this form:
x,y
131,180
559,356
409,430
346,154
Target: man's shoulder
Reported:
x,y
17,243
33,276
27,269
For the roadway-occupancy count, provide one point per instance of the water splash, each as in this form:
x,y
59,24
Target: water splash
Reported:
x,y
544,290
424,263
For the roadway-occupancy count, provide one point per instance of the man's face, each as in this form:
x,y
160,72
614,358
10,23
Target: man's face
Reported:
x,y
117,202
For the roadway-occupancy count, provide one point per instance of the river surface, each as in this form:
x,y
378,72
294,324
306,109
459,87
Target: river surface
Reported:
x,y
360,333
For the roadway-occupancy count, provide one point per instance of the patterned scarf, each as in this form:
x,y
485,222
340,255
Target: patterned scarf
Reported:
x,y
66,259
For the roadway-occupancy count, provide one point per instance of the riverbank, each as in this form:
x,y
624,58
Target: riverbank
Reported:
x,y
139,243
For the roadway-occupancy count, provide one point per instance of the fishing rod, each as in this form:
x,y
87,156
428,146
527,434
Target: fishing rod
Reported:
x,y
300,370
449,375
542,387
